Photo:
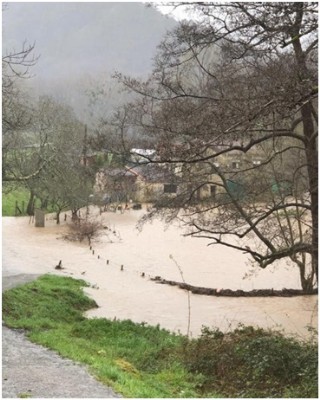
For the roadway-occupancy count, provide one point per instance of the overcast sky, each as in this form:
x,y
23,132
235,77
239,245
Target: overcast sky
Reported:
x,y
78,43
75,39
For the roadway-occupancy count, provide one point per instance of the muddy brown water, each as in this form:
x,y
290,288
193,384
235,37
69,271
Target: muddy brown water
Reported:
x,y
115,266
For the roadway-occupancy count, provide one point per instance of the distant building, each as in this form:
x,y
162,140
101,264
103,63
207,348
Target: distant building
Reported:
x,y
141,183
145,181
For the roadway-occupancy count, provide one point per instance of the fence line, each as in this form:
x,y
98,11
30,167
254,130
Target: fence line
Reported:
x,y
111,263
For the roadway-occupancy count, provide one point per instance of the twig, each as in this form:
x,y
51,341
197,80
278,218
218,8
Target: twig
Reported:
x,y
189,304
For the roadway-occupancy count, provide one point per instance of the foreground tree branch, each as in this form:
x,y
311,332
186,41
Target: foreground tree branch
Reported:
x,y
231,105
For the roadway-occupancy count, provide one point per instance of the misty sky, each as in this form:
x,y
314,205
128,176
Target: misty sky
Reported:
x,y
77,40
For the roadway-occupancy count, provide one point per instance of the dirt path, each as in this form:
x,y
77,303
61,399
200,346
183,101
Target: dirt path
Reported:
x,y
30,370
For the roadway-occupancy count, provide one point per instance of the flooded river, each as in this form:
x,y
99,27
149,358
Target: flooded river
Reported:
x,y
120,263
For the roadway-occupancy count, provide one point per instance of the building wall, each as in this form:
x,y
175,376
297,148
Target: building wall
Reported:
x,y
146,191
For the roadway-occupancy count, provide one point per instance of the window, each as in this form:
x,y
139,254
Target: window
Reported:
x,y
235,165
170,188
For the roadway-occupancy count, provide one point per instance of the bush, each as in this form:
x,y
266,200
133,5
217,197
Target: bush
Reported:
x,y
253,362
84,230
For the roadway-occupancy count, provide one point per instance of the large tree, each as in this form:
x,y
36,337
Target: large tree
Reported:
x,y
232,102
42,141
60,139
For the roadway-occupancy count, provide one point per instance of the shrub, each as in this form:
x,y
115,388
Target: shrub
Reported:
x,y
253,362
84,230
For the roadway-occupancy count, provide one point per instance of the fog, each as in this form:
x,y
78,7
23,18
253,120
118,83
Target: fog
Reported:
x,y
82,44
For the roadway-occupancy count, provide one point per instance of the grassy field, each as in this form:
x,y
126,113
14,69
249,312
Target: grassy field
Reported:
x,y
9,201
138,360
17,194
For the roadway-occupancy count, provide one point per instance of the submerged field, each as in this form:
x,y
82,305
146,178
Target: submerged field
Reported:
x,y
127,294
139,360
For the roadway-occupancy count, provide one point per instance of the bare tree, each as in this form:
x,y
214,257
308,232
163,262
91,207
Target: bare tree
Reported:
x,y
87,230
60,139
17,110
233,101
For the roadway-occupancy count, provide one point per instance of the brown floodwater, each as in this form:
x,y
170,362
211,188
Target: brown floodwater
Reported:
x,y
123,254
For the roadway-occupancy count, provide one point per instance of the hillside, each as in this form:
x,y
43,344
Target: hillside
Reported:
x,y
78,42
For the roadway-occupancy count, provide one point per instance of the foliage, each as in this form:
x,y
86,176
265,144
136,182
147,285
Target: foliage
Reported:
x,y
250,362
139,360
24,395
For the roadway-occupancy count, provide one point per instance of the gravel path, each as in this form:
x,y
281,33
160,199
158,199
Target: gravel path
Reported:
x,y
30,370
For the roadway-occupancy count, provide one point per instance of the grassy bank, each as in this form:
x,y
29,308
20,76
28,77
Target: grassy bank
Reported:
x,y
17,194
138,360
9,198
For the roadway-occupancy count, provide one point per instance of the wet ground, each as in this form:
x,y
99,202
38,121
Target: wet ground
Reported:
x,y
119,265
118,268
30,370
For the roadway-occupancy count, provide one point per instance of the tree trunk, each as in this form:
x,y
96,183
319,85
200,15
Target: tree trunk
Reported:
x,y
30,206
306,284
312,166
44,203
74,216
310,145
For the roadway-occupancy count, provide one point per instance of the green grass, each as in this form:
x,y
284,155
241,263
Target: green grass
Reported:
x,y
9,201
11,194
139,360
133,358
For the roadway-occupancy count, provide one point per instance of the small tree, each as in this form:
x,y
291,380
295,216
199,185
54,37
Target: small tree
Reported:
x,y
86,230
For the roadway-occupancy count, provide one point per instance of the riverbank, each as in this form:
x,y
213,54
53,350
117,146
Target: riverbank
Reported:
x,y
139,361
130,294
30,370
